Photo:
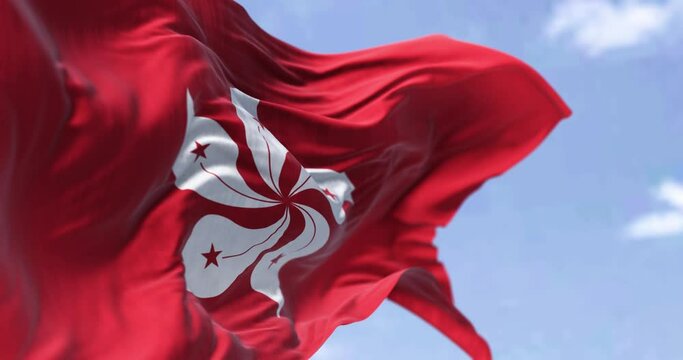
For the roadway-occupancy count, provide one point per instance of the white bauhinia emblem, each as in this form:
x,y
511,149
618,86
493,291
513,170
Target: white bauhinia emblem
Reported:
x,y
218,249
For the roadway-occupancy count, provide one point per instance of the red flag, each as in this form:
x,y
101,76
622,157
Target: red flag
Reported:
x,y
176,183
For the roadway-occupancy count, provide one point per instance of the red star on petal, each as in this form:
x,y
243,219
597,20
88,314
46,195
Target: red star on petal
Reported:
x,y
211,257
329,193
276,259
199,150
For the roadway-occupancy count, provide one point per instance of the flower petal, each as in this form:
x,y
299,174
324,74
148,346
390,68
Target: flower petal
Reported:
x,y
213,173
269,154
265,277
238,246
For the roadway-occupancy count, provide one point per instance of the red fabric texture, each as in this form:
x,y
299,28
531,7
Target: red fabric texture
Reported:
x,y
93,221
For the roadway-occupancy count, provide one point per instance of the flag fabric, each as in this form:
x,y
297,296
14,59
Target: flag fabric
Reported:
x,y
178,184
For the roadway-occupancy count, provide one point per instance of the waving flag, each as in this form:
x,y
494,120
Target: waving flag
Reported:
x,y
176,183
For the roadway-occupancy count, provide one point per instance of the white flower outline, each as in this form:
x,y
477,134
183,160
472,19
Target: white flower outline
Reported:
x,y
207,165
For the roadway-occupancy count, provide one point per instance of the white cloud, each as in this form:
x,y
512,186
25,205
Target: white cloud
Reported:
x,y
661,223
672,192
597,26
657,225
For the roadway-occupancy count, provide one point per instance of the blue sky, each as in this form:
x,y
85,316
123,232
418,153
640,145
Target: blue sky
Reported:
x,y
577,253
